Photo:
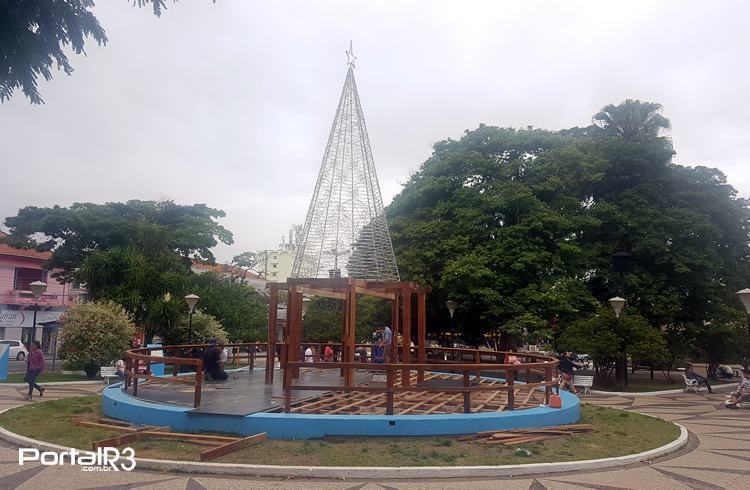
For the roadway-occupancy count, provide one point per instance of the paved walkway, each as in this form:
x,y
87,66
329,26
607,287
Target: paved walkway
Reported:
x,y
717,456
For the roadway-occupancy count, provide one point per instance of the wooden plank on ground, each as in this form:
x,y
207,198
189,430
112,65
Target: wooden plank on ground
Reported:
x,y
118,441
227,448
98,425
187,437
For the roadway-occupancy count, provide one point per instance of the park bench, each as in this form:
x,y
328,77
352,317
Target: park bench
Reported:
x,y
585,382
108,372
691,384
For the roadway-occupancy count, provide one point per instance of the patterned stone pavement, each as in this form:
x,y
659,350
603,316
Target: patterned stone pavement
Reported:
x,y
717,456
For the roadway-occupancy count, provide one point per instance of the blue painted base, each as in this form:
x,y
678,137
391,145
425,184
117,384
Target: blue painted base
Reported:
x,y
120,405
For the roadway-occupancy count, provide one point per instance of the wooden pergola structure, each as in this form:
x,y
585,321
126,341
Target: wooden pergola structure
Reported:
x,y
403,296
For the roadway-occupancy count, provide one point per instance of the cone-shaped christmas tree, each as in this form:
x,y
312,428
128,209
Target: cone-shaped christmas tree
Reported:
x,y
345,232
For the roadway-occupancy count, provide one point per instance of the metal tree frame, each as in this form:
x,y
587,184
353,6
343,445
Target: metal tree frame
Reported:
x,y
345,232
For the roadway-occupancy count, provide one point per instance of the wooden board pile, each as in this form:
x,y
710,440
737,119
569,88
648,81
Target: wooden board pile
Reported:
x,y
523,436
220,445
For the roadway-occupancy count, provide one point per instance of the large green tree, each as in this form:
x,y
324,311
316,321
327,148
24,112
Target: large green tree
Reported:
x,y
137,254
519,227
155,227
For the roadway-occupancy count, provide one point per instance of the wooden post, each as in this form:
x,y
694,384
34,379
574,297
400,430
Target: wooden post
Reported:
x,y
388,389
287,391
251,357
478,360
135,383
395,315
547,387
294,324
350,310
273,306
198,384
406,335
511,391
467,393
421,332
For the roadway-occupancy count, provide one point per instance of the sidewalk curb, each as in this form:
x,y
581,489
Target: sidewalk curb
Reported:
x,y
59,383
657,393
338,472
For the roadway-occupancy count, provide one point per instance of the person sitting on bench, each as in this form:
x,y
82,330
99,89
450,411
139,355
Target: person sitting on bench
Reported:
x,y
212,362
743,390
691,374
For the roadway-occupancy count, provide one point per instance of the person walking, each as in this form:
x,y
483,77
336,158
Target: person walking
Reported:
x,y
566,371
34,366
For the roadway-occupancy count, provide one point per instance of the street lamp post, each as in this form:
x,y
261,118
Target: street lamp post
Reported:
x,y
38,288
191,300
451,305
618,304
744,295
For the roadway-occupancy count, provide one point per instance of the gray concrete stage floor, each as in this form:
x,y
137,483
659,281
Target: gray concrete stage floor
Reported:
x,y
245,392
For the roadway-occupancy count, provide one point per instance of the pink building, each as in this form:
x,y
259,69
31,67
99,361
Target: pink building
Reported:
x,y
19,268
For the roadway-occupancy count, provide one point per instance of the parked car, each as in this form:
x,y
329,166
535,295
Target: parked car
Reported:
x,y
17,349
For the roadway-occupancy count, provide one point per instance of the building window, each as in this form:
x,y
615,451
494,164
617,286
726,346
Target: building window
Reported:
x,y
273,274
274,265
25,276
2,332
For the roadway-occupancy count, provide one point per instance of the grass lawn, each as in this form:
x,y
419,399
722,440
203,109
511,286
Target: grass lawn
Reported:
x,y
45,377
617,433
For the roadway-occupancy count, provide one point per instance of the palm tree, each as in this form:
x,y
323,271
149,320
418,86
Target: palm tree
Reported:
x,y
632,119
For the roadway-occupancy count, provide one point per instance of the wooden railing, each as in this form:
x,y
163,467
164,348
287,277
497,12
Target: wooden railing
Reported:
x,y
442,359
531,365
138,364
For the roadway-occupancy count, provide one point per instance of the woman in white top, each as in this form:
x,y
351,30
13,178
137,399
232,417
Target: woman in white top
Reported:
x,y
309,355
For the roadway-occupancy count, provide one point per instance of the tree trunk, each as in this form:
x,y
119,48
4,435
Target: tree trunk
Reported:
x,y
621,368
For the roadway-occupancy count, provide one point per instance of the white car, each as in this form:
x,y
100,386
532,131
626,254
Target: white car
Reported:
x,y
17,349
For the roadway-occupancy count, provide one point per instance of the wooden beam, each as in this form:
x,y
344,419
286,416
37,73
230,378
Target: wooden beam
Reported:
x,y
325,293
98,425
406,335
186,437
350,310
375,292
227,448
118,441
273,306
421,331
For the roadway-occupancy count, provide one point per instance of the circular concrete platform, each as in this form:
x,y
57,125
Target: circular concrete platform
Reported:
x,y
120,405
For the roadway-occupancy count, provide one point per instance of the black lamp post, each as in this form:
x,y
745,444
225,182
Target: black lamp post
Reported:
x,y
38,288
618,304
191,300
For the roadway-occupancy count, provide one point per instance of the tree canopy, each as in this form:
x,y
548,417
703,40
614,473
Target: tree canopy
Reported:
x,y
154,227
519,227
139,254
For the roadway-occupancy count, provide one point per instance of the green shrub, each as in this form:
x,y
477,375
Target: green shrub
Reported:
x,y
95,334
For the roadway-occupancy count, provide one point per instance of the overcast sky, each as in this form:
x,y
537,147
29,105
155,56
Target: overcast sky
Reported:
x,y
230,103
